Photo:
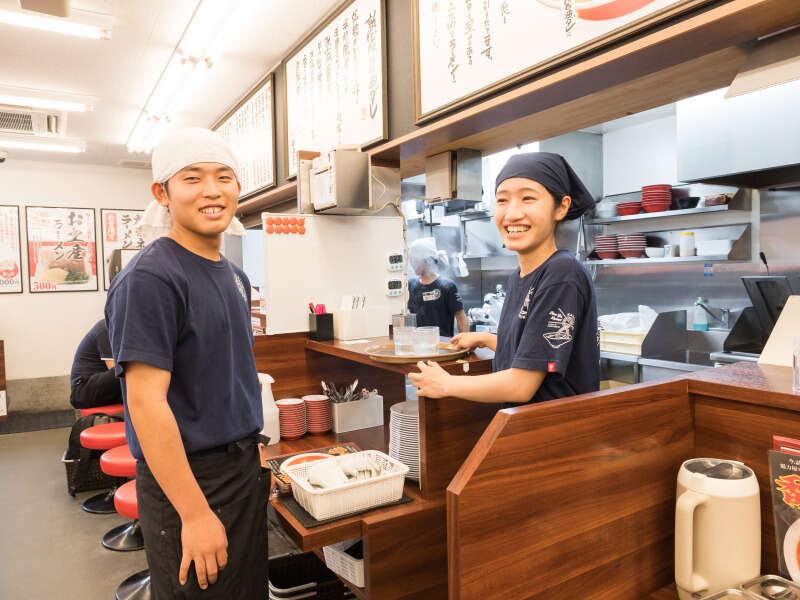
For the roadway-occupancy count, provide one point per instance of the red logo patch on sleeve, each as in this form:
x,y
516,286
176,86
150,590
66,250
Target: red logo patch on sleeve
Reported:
x,y
551,367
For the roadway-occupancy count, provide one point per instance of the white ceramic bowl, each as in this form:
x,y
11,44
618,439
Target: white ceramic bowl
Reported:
x,y
654,252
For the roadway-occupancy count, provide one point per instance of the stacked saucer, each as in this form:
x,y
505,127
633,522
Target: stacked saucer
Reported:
x,y
404,436
292,418
318,413
632,246
607,246
656,198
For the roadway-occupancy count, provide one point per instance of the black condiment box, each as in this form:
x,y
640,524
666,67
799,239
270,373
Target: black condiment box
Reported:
x,y
320,327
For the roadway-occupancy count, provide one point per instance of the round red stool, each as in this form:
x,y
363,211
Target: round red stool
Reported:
x,y
111,409
137,586
119,462
102,437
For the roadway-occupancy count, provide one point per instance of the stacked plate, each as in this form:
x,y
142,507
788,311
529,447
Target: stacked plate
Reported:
x,y
606,246
632,246
292,418
318,413
625,209
656,198
404,436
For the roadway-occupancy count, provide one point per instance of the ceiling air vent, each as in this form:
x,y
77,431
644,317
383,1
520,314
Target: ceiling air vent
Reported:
x,y
134,164
31,122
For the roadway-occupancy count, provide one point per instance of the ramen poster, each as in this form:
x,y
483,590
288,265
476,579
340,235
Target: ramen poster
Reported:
x,y
62,253
10,256
465,46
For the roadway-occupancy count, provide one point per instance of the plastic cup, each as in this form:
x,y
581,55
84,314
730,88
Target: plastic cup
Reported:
x,y
425,340
404,341
407,320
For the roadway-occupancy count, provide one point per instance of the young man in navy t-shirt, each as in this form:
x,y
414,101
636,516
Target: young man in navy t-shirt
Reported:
x,y
179,325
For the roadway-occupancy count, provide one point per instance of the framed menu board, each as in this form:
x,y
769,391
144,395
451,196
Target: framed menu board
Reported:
x,y
62,249
10,251
336,83
120,230
466,49
250,130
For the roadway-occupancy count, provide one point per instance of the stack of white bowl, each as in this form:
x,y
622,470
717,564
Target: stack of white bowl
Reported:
x,y
404,436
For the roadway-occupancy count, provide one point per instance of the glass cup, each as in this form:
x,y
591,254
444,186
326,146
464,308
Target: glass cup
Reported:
x,y
404,341
406,320
426,340
796,365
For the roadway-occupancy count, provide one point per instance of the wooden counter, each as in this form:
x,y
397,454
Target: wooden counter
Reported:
x,y
405,545
578,494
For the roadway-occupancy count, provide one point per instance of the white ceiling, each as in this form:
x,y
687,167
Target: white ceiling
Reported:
x,y
121,72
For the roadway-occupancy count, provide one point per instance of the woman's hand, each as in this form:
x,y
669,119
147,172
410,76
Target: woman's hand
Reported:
x,y
470,340
432,381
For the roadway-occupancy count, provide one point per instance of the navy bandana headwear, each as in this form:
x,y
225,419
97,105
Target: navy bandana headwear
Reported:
x,y
554,173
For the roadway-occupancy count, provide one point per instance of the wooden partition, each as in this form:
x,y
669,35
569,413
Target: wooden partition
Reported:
x,y
3,374
571,498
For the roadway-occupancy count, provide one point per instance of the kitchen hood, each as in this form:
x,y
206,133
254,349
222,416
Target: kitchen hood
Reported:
x,y
785,177
453,178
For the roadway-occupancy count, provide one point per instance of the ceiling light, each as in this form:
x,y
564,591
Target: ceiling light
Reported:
x,y
45,103
194,54
56,24
43,144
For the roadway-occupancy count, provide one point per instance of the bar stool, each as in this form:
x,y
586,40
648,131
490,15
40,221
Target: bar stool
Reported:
x,y
110,409
137,586
119,462
102,437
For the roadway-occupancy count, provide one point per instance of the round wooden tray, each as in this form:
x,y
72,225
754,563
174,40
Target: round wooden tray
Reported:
x,y
385,353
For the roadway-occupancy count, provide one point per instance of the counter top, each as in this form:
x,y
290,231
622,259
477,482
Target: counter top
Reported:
x,y
356,352
749,382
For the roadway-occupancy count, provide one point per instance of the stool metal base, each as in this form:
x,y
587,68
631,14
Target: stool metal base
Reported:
x,y
125,538
135,587
101,504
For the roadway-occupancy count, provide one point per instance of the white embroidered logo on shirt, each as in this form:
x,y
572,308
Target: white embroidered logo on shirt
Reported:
x,y
523,312
563,324
431,295
240,287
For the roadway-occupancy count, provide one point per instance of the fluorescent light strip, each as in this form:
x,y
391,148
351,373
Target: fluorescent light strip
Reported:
x,y
70,148
44,103
54,24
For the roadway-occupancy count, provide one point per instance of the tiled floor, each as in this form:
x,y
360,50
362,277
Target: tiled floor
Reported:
x,y
50,548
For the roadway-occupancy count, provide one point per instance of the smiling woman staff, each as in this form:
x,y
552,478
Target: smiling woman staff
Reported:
x,y
546,345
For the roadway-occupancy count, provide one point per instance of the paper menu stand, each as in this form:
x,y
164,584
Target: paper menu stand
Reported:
x,y
784,470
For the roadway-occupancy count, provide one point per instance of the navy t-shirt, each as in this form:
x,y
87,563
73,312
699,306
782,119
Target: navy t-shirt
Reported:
x,y
435,303
549,323
183,313
94,347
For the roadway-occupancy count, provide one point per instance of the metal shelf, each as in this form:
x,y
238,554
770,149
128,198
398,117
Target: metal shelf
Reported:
x,y
625,262
745,214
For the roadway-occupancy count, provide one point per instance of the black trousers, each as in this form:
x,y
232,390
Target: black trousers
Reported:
x,y
237,490
98,389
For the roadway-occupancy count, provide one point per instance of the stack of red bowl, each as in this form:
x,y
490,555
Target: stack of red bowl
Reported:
x,y
632,246
625,209
292,418
606,246
318,413
656,198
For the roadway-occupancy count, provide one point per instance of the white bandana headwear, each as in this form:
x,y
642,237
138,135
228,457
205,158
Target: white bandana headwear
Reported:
x,y
176,150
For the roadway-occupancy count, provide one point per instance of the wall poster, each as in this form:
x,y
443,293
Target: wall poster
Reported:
x,y
466,49
249,129
120,230
336,83
10,251
62,249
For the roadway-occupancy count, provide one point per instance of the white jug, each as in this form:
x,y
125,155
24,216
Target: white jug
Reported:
x,y
272,426
717,526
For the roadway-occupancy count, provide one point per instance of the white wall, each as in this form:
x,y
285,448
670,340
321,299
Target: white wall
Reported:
x,y
253,257
41,331
640,155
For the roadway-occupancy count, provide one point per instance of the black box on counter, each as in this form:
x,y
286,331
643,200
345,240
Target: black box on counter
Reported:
x,y
320,327
784,470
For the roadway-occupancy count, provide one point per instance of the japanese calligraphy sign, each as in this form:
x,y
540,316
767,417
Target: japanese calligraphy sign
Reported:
x,y
249,131
62,249
335,84
465,49
10,251
120,230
